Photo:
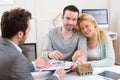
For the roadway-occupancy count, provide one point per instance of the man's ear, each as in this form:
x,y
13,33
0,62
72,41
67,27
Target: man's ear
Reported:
x,y
20,34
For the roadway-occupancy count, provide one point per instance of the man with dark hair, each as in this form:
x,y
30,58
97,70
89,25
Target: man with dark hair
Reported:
x,y
71,8
62,42
15,27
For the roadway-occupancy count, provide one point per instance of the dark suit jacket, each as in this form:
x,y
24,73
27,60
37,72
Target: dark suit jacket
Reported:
x,y
13,64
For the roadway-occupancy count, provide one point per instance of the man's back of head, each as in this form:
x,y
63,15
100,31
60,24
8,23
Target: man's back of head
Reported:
x,y
13,21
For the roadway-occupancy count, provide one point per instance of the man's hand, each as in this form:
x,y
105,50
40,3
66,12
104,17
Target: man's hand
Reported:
x,y
56,55
41,63
60,72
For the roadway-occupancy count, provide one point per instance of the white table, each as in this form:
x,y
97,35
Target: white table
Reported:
x,y
73,76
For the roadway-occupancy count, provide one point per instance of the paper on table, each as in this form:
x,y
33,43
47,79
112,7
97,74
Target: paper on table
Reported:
x,y
58,64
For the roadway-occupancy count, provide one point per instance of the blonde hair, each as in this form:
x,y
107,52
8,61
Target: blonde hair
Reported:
x,y
99,34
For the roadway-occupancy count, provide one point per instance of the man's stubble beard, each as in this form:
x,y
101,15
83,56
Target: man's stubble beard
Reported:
x,y
22,41
70,28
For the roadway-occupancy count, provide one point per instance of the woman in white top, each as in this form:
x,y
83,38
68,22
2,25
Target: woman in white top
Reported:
x,y
99,45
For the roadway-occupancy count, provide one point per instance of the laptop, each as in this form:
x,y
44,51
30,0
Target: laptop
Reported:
x,y
29,50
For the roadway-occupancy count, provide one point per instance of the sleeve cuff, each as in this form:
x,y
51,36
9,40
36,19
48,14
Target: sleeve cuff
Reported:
x,y
34,65
56,76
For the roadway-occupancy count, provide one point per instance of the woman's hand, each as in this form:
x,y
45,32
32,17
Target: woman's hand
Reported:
x,y
78,54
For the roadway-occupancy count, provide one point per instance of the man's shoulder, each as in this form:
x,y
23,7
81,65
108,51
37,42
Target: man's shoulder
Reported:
x,y
7,50
78,32
53,31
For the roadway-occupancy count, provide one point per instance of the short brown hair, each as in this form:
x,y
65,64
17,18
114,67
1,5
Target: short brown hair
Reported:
x,y
71,8
13,21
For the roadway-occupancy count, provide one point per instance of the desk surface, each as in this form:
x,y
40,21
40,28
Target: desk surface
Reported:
x,y
73,76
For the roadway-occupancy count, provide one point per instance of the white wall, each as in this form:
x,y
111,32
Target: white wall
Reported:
x,y
29,5
114,13
115,25
44,11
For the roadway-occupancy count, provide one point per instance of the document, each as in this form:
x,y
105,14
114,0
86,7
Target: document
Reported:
x,y
58,64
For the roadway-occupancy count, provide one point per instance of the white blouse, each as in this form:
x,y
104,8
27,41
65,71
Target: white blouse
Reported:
x,y
93,55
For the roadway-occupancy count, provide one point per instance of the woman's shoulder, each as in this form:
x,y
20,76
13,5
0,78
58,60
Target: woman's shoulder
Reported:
x,y
106,37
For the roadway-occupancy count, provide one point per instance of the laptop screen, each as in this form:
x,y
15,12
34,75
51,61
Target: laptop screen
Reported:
x,y
29,50
100,15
